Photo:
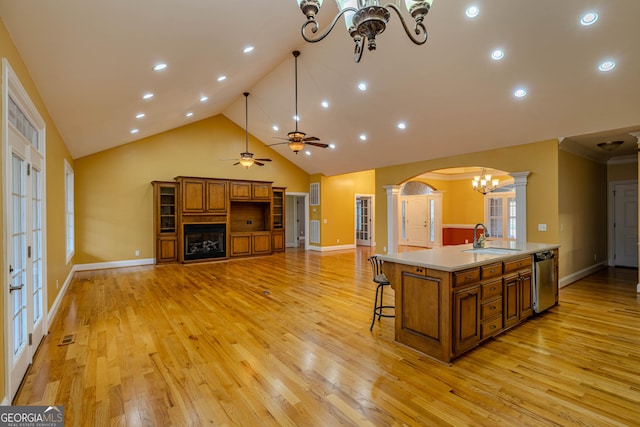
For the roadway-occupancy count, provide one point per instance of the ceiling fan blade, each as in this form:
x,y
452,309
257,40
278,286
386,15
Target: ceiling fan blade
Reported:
x,y
317,144
263,160
256,162
311,138
279,143
237,163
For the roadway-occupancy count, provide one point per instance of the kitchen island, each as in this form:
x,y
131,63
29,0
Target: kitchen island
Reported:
x,y
449,300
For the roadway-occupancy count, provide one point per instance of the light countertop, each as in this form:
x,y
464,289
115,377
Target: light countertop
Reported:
x,y
454,258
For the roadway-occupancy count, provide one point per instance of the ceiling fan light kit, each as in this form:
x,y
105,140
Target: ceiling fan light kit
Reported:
x,y
296,140
365,19
246,158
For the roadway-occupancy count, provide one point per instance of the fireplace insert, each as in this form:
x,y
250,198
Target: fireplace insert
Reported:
x,y
203,241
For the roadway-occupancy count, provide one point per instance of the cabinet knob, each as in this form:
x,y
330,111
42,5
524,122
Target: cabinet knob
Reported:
x,y
492,327
469,277
493,288
493,307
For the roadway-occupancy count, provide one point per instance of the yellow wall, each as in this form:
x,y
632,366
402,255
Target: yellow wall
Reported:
x,y
114,211
56,152
540,159
583,212
622,171
337,205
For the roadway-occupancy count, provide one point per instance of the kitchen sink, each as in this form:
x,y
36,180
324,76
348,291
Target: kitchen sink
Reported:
x,y
493,251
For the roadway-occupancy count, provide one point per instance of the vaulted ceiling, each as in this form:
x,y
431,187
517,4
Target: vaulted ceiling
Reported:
x,y
92,61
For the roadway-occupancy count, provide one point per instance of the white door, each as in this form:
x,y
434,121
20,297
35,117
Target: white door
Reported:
x,y
23,250
417,221
626,225
364,221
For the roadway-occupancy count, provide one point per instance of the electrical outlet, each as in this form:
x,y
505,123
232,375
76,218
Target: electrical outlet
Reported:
x,y
384,249
337,240
137,252
57,283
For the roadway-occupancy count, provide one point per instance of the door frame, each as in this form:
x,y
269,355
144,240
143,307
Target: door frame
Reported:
x,y
611,219
298,195
372,218
11,86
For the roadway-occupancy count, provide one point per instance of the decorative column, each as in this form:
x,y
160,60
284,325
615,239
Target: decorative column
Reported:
x,y
520,181
393,201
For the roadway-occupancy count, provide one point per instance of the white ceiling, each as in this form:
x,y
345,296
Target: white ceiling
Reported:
x,y
92,61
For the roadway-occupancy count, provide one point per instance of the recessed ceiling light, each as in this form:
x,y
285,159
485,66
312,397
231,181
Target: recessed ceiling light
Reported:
x,y
139,115
363,137
248,49
607,65
189,114
362,86
497,54
160,66
589,18
135,130
296,118
203,98
332,146
308,153
276,128
520,93
147,95
325,104
221,78
472,11
402,125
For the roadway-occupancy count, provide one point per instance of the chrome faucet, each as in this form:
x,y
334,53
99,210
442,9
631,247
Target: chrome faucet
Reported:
x,y
479,243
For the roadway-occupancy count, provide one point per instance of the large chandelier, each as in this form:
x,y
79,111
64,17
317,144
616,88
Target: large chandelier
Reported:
x,y
483,183
365,19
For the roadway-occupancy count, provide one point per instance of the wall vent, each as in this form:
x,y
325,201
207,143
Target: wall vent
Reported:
x,y
314,231
314,196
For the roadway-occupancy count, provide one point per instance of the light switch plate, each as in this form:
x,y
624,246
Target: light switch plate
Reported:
x,y
542,227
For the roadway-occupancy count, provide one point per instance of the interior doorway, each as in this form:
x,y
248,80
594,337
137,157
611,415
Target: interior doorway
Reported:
x,y
364,220
624,231
297,220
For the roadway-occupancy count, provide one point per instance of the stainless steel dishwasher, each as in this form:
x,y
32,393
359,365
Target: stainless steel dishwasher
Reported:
x,y
544,292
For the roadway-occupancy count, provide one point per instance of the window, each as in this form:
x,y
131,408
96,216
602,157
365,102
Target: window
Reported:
x,y
69,209
500,213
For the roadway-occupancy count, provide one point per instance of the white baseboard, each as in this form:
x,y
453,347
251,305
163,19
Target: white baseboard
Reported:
x,y
114,264
51,315
331,248
574,277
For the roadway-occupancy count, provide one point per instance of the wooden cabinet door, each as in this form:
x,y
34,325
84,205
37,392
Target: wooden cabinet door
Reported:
x,y
240,190
277,241
261,243
526,294
260,191
466,320
217,197
193,196
240,244
166,249
510,311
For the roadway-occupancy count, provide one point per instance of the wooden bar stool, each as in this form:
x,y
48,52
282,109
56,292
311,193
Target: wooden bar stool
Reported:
x,y
381,280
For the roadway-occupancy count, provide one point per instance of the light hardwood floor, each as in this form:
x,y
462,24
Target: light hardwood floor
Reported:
x,y
284,340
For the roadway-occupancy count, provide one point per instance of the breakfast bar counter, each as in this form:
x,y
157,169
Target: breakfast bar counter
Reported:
x,y
449,300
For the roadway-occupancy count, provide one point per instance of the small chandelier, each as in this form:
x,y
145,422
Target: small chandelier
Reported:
x,y
483,183
365,19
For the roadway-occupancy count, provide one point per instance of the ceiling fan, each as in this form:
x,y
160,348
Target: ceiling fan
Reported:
x,y
246,158
296,140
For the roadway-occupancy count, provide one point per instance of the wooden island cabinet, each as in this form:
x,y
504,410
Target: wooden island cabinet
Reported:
x,y
228,218
450,300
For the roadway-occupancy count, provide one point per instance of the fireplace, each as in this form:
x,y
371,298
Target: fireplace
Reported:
x,y
203,241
